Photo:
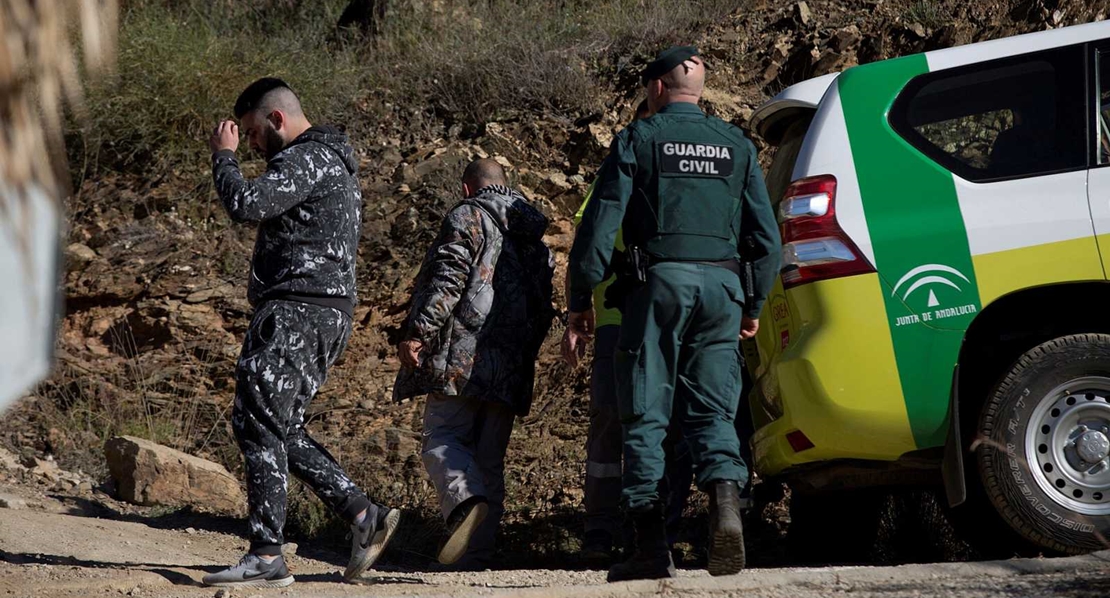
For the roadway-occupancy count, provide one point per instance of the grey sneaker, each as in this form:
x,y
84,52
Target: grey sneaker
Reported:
x,y
252,572
370,538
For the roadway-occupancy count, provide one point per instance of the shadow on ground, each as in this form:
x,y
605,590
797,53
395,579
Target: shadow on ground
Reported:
x,y
913,530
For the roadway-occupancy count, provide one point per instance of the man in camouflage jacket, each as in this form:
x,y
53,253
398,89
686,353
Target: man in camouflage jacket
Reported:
x,y
481,308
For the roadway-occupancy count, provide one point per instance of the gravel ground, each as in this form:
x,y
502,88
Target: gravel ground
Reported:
x,y
46,553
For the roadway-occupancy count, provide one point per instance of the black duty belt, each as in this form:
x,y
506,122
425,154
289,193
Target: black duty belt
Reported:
x,y
732,265
631,267
634,262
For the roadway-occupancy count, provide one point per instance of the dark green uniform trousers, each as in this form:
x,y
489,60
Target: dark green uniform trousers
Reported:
x,y
678,356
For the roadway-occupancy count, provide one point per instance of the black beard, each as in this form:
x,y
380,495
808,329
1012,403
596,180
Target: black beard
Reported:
x,y
272,144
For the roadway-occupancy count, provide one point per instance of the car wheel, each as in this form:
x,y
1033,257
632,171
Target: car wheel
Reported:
x,y
1043,448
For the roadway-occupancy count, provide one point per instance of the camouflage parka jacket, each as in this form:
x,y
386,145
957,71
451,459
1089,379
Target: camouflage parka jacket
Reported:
x,y
482,302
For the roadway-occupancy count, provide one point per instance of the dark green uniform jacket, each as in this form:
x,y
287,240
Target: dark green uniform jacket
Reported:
x,y
686,187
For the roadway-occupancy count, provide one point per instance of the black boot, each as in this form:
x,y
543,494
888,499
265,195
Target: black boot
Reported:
x,y
597,548
628,538
726,533
651,558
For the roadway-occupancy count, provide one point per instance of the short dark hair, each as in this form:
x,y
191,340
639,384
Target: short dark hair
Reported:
x,y
253,94
483,172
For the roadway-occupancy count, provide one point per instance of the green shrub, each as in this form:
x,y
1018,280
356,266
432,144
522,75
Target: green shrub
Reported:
x,y
929,13
180,70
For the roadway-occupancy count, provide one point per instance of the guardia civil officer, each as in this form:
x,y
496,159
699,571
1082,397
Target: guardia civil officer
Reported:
x,y
685,188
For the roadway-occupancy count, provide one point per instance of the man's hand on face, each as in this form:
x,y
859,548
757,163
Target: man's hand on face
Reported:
x,y
580,331
409,353
748,327
225,137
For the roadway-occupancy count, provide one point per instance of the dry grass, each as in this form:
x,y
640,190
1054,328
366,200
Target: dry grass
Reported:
x,y
182,64
158,401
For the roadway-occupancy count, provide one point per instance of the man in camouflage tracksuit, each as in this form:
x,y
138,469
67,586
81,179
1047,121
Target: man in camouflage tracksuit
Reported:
x,y
481,308
307,206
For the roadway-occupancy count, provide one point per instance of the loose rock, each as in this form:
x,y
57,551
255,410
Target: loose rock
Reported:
x,y
148,474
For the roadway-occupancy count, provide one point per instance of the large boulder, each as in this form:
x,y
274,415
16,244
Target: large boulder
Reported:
x,y
149,474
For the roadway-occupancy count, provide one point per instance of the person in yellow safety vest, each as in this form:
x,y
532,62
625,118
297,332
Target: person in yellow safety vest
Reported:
x,y
603,441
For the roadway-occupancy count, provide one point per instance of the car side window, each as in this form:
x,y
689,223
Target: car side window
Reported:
x,y
1103,108
1000,119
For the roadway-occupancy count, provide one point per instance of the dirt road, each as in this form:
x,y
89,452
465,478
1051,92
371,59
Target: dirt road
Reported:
x,y
46,551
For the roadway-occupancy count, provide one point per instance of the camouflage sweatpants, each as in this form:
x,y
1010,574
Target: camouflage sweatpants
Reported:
x,y
285,359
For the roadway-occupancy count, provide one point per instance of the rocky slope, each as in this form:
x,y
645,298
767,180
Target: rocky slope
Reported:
x,y
156,274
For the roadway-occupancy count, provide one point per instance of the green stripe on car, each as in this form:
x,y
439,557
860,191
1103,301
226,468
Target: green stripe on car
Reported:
x,y
919,240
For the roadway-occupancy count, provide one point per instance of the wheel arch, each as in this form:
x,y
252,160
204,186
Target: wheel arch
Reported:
x,y
996,338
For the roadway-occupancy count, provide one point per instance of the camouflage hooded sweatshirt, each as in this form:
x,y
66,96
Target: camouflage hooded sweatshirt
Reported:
x,y
482,302
308,208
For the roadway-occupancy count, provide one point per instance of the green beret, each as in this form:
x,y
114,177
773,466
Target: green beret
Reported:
x,y
666,61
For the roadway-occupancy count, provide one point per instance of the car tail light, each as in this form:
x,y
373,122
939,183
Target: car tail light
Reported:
x,y
814,247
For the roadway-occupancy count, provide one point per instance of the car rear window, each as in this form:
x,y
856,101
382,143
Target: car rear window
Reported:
x,y
781,172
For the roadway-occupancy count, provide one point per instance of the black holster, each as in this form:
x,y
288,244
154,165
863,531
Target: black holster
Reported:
x,y
630,267
747,273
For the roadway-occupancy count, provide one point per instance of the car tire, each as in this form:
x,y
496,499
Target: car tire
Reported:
x,y
1043,447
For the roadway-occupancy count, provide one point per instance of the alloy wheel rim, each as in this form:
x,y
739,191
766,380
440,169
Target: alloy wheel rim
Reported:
x,y
1067,444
